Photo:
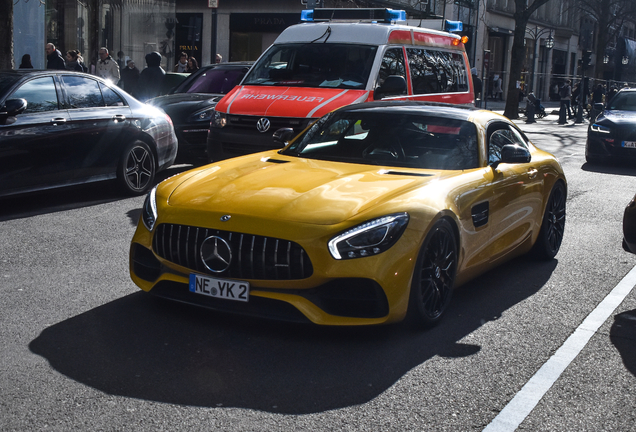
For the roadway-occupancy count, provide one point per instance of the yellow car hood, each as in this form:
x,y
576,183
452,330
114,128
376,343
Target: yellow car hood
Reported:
x,y
295,189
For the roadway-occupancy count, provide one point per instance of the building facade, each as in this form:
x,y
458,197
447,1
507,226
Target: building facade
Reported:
x,y
556,35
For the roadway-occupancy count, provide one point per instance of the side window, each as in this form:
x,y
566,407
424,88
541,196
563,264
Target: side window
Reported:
x,y
83,92
40,95
110,97
499,138
392,64
437,71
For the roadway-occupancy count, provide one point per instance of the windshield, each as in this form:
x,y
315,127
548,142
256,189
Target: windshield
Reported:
x,y
624,101
314,65
217,80
390,139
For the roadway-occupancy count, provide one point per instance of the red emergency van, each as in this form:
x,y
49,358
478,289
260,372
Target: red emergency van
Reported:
x,y
317,66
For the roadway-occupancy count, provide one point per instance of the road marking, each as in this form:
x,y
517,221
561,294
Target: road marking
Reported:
x,y
529,396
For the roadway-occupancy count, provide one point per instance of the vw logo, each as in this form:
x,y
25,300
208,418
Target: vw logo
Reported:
x,y
216,254
263,124
225,218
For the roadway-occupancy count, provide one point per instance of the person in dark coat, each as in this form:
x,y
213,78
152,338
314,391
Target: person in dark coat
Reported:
x,y
74,61
26,62
151,78
130,78
54,58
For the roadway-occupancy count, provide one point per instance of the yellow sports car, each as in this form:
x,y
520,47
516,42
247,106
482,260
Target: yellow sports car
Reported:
x,y
374,213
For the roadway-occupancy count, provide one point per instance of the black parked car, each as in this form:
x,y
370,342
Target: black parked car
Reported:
x,y
60,128
191,104
629,227
612,135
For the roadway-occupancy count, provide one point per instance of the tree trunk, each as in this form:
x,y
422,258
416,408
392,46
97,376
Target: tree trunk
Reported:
x,y
516,65
6,35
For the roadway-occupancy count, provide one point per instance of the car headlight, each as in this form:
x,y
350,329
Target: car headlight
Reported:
x,y
204,115
370,238
149,210
219,120
600,129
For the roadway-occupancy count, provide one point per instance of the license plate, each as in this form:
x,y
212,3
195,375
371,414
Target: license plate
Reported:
x,y
219,288
629,144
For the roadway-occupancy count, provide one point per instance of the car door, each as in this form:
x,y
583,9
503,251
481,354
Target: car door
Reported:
x,y
30,155
516,193
99,117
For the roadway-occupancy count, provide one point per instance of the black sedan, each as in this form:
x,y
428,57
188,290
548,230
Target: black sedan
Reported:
x,y
612,135
191,104
61,128
629,227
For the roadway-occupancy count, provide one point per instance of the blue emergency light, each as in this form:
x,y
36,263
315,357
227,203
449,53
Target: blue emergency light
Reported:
x,y
453,26
353,14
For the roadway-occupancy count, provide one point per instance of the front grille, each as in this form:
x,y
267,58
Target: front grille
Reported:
x,y
249,122
253,257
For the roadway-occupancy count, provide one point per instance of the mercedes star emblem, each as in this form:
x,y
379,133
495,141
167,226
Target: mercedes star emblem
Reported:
x,y
216,254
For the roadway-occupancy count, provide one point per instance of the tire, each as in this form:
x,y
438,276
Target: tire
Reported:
x,y
137,169
434,276
552,226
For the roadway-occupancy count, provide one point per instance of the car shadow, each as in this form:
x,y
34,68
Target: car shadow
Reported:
x,y
143,347
68,198
617,167
623,336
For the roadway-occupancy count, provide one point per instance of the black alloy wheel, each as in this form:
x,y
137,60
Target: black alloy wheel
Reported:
x,y
137,168
553,225
434,277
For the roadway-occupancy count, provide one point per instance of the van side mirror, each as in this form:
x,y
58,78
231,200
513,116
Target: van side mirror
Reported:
x,y
283,135
393,85
12,108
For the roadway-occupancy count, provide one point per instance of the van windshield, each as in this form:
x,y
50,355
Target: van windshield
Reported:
x,y
314,65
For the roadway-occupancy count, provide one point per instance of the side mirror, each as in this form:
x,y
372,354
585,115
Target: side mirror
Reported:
x,y
12,108
283,135
513,153
599,107
394,85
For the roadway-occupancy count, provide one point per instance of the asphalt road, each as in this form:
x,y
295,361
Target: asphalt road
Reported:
x,y
84,349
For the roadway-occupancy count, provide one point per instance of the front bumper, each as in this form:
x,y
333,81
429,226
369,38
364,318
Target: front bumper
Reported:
x,y
364,291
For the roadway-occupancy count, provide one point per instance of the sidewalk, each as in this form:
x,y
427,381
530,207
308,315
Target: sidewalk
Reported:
x,y
551,108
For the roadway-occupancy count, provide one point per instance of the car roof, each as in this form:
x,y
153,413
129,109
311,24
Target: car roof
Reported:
x,y
456,112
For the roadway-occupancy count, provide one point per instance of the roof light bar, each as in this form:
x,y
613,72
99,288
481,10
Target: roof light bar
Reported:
x,y
353,14
453,26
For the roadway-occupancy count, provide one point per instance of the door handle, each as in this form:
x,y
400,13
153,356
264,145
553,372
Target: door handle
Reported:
x,y
58,120
119,118
532,173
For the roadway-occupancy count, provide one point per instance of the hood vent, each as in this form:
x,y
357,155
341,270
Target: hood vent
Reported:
x,y
278,161
405,173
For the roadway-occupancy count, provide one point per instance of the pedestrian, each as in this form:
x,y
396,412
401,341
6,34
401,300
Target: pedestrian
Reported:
x,y
121,60
151,78
597,95
182,65
477,85
496,86
26,62
574,98
565,93
218,58
107,67
54,58
74,61
193,65
610,94
130,78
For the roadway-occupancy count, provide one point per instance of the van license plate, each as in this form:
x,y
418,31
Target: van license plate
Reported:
x,y
629,144
219,288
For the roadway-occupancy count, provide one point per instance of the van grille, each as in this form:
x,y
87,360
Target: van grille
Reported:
x,y
253,257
